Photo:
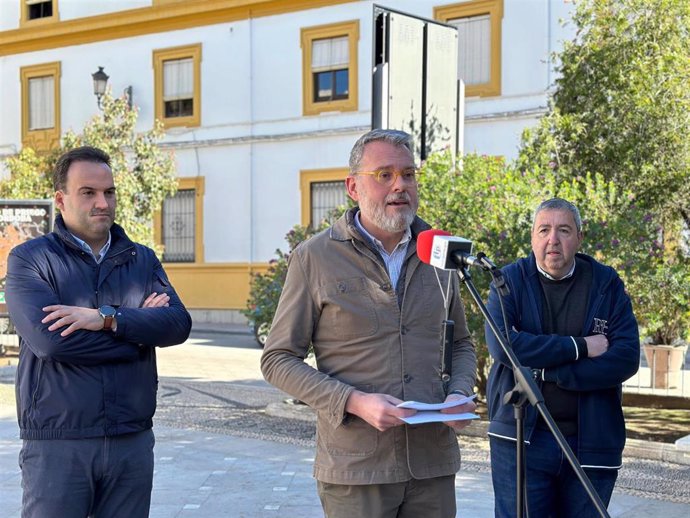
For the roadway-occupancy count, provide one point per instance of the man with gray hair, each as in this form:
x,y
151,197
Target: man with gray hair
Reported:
x,y
569,319
359,295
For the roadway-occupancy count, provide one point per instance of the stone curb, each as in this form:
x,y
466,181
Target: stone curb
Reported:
x,y
656,451
222,329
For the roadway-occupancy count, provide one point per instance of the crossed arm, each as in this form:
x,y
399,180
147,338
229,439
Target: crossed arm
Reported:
x,y
609,361
75,317
58,332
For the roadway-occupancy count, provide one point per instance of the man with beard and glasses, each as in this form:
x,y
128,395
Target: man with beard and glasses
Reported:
x,y
358,294
90,306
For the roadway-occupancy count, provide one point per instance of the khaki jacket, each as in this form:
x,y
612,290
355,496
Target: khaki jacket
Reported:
x,y
338,297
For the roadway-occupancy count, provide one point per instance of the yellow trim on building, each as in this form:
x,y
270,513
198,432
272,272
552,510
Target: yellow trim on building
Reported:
x,y
207,285
170,54
493,8
198,183
160,17
24,18
333,30
42,139
309,176
213,286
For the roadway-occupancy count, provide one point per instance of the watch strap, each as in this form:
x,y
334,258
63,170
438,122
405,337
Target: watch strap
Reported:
x,y
107,323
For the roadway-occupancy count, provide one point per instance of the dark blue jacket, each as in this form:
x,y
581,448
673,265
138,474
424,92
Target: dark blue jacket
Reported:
x,y
89,383
601,427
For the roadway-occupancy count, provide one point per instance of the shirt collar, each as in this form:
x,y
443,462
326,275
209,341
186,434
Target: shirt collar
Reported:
x,y
407,235
85,246
552,278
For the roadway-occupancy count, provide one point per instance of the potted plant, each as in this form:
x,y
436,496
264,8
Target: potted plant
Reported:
x,y
661,302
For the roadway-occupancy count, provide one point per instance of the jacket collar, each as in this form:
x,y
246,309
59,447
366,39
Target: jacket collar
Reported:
x,y
118,237
601,275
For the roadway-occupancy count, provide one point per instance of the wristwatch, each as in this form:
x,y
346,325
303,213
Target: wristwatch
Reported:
x,y
108,313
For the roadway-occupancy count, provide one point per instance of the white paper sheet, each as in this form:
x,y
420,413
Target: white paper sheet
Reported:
x,y
437,417
414,405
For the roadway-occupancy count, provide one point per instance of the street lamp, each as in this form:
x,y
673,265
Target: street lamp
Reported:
x,y
100,81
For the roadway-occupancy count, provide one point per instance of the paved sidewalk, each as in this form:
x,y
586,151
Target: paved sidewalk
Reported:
x,y
216,475
200,474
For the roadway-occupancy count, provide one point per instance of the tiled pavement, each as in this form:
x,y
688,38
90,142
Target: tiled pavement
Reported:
x,y
200,474
214,475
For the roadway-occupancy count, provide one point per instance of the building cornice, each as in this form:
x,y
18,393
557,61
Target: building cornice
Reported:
x,y
146,20
256,139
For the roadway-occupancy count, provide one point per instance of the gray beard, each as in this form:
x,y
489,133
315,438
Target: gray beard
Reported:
x,y
394,223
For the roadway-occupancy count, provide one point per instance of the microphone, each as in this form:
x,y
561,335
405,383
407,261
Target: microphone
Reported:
x,y
425,243
441,250
438,248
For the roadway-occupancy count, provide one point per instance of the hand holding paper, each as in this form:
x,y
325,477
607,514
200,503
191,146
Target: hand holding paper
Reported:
x,y
432,412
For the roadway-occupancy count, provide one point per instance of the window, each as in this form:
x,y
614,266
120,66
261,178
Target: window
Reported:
x,y
329,67
322,191
330,59
178,85
479,43
41,105
38,11
179,225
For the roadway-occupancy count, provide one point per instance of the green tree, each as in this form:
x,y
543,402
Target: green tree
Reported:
x,y
144,173
621,104
621,109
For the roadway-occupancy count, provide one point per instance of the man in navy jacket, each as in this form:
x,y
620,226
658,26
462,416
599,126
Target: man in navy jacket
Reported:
x,y
89,306
570,320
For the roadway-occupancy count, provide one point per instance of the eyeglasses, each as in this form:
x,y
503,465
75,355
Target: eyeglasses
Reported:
x,y
388,177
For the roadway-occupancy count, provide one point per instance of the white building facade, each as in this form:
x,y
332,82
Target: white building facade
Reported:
x,y
261,101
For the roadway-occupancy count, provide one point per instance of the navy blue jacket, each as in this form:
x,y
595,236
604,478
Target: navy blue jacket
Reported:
x,y
598,381
89,383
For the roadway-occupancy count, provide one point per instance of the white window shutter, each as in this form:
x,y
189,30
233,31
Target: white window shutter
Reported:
x,y
41,103
340,52
178,79
330,54
474,45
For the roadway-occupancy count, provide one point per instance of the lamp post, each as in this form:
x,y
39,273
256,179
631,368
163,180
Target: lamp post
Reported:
x,y
100,81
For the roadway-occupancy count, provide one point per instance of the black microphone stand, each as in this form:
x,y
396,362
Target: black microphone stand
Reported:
x,y
524,391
